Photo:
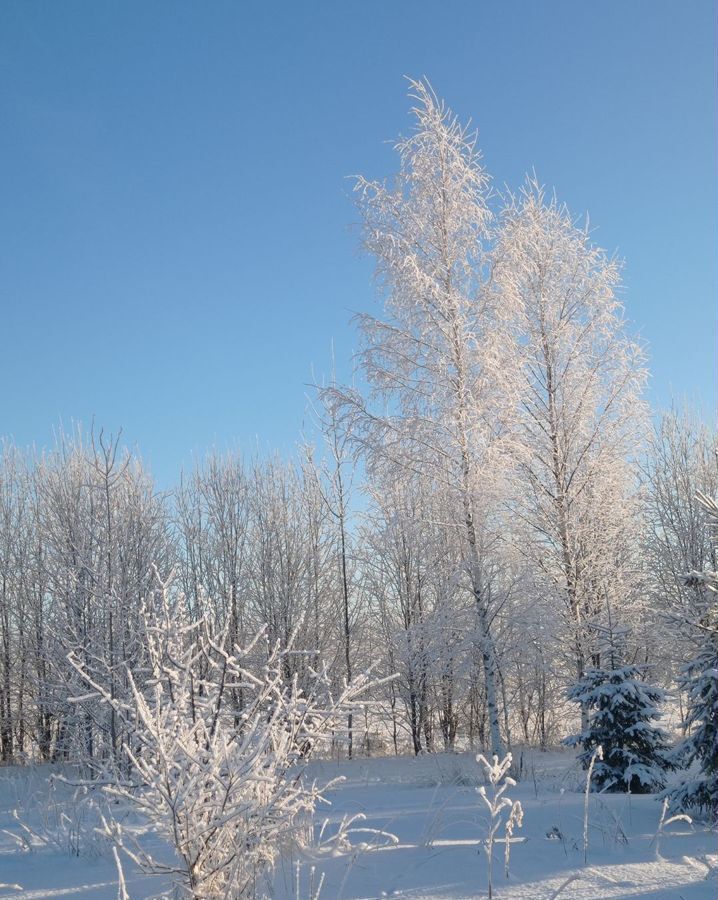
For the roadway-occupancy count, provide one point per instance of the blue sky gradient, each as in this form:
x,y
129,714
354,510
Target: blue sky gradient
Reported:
x,y
176,253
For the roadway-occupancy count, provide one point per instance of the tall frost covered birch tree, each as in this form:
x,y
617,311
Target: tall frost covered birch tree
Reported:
x,y
437,404
580,411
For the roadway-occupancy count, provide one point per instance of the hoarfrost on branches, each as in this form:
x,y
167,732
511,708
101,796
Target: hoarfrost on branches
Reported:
x,y
223,786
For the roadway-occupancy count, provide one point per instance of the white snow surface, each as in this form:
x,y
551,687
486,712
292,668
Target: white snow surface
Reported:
x,y
431,806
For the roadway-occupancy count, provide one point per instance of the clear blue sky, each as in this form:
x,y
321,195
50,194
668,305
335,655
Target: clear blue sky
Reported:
x,y
175,250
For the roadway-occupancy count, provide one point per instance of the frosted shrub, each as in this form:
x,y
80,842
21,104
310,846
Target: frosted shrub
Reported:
x,y
220,782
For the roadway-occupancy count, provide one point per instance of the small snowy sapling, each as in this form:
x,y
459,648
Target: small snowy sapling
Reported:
x,y
620,709
497,804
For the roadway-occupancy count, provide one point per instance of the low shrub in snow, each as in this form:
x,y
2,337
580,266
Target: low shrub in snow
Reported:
x,y
215,754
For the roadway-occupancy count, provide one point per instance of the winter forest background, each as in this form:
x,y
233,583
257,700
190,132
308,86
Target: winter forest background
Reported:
x,y
487,540
495,516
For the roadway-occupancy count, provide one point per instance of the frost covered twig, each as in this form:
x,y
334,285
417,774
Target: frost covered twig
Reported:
x,y
499,779
565,884
314,888
663,821
121,885
341,842
597,754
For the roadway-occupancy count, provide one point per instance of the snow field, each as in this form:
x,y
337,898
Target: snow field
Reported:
x,y
413,829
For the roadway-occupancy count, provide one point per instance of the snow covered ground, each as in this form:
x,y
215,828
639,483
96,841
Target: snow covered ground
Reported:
x,y
431,806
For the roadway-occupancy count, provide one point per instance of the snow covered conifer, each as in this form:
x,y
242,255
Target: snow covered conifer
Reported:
x,y
699,678
621,710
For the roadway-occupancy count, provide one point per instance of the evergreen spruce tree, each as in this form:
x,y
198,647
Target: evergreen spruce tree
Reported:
x,y
621,710
700,679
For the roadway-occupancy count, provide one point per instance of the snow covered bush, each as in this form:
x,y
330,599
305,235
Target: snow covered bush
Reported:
x,y
622,709
216,739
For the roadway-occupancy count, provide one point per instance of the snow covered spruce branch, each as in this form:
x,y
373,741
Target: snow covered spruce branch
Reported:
x,y
216,738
